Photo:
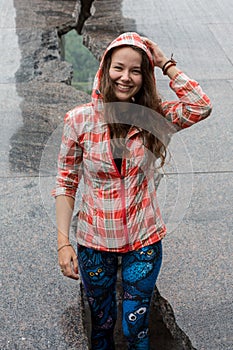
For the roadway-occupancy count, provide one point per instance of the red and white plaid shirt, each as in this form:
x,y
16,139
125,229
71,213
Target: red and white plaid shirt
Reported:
x,y
119,211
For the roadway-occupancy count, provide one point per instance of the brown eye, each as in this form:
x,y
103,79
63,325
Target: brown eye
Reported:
x,y
118,68
91,274
135,71
99,270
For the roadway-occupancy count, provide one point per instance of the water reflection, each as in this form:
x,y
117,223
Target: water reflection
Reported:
x,y
10,115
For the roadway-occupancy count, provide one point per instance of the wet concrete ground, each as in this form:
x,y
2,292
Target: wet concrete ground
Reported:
x,y
197,271
39,308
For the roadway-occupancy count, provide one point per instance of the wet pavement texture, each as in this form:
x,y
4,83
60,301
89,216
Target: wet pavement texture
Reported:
x,y
39,308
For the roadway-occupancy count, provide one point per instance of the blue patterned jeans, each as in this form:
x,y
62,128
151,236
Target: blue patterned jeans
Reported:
x,y
140,269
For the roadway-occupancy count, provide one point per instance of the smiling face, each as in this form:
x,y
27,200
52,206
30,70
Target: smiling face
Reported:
x,y
125,73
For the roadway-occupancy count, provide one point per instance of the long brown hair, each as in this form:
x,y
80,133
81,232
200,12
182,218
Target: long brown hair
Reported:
x,y
147,96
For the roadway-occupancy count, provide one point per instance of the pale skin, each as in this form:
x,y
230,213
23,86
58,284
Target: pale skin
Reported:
x,y
160,58
125,73
67,257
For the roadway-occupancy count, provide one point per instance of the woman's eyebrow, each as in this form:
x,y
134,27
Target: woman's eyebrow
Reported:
x,y
122,64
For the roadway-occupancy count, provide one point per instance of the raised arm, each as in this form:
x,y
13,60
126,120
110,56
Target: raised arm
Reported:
x,y
193,105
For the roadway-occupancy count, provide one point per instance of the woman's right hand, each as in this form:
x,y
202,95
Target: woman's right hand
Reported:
x,y
67,257
68,262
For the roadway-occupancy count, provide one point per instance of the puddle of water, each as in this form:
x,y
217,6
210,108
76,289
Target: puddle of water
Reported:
x,y
10,115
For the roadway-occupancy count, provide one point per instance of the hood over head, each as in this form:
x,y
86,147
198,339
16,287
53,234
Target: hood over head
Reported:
x,y
125,39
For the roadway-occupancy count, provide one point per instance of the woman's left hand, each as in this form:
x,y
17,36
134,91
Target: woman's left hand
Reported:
x,y
159,57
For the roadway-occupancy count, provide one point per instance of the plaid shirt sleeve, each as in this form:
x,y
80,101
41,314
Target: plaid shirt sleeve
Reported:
x,y
69,162
193,104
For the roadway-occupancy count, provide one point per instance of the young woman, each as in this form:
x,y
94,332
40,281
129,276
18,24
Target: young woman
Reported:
x,y
113,144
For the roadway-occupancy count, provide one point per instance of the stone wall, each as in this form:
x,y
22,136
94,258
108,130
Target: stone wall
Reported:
x,y
43,78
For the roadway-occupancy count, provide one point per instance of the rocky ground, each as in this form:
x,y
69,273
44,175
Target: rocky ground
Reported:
x,y
40,309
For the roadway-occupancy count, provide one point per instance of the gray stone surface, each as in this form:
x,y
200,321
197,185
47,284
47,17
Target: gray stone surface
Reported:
x,y
41,310
197,271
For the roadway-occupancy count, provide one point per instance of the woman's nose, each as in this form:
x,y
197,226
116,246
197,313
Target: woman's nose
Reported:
x,y
125,75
